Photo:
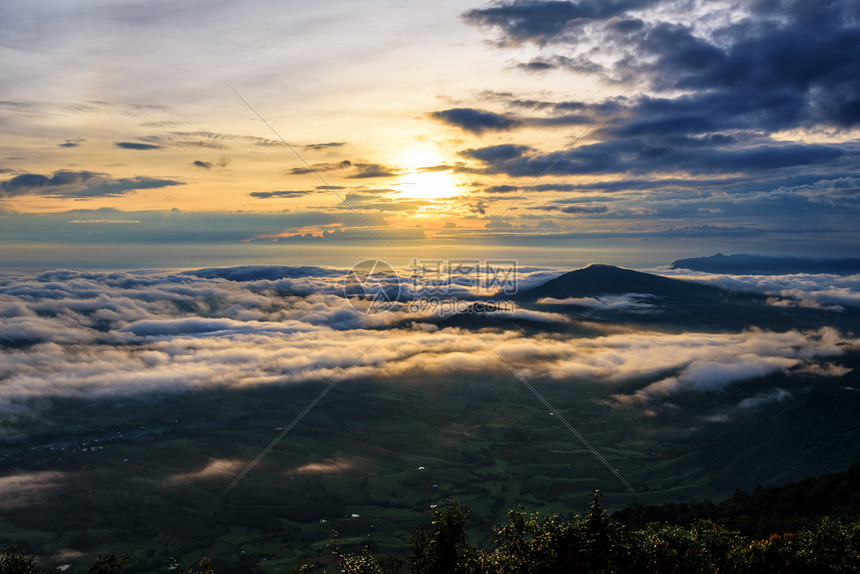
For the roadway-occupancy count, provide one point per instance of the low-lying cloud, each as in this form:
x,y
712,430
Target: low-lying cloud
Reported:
x,y
18,490
102,335
624,302
216,468
819,291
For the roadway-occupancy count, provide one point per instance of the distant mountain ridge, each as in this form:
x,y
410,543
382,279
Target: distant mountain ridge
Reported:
x,y
745,264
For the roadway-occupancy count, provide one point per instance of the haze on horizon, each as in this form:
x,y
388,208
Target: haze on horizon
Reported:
x,y
735,129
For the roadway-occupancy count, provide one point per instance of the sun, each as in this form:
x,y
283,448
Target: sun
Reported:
x,y
423,178
427,185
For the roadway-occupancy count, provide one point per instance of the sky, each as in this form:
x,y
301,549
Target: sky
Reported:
x,y
627,131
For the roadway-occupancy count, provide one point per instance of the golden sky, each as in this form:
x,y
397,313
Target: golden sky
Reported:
x,y
511,123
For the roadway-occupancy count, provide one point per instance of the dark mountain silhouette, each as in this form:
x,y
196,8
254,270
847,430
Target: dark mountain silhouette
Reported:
x,y
743,264
777,508
676,304
598,279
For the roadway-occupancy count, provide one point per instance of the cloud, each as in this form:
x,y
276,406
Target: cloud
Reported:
x,y
24,489
203,164
505,188
166,226
536,65
713,367
480,121
97,334
496,153
321,167
361,170
590,209
368,170
216,468
729,97
78,185
823,370
29,183
322,146
625,302
736,63
136,146
381,200
207,139
803,303
774,396
477,121
712,376
282,194
75,142
328,466
545,21
820,291
265,272
638,156
581,64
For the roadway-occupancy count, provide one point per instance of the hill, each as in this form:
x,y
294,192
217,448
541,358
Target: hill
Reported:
x,y
743,264
784,508
599,279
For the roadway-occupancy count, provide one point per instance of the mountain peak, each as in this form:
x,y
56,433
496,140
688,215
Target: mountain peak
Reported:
x,y
601,279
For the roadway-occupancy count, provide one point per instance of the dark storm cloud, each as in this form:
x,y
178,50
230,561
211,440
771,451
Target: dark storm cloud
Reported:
x,y
497,153
708,132
559,120
480,121
800,61
477,121
136,146
559,107
527,20
638,156
578,64
784,63
77,184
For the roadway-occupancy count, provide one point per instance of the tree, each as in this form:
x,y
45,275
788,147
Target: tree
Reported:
x,y
203,567
442,547
107,565
14,561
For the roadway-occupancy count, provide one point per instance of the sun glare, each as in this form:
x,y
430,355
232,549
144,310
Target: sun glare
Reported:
x,y
428,185
420,183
